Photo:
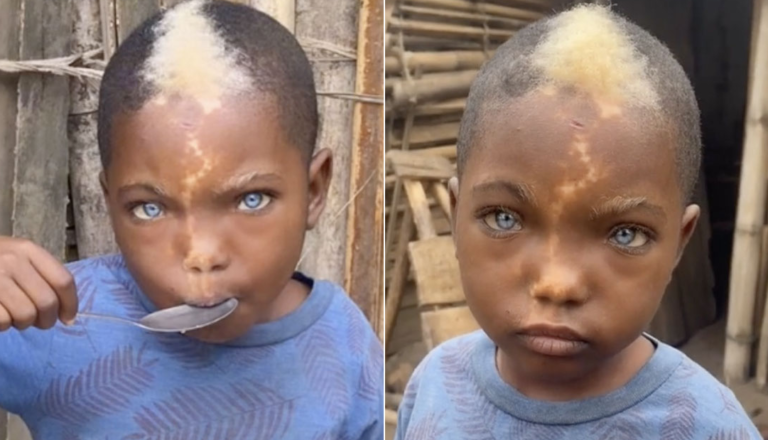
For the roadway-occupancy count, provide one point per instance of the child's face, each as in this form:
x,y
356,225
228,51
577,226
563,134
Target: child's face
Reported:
x,y
568,217
211,206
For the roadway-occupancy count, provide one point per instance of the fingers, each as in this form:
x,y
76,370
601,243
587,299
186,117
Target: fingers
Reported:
x,y
22,311
5,319
42,295
59,279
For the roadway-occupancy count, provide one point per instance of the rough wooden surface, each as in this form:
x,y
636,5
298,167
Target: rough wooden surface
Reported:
x,y
436,271
283,11
9,49
42,150
336,23
444,324
93,229
364,278
131,14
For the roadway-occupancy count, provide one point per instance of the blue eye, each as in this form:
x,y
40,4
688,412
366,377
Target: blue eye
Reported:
x,y
148,211
254,201
502,221
630,237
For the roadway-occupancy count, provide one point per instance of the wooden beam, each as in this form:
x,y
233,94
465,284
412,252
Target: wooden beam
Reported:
x,y
335,22
42,149
131,14
9,50
92,224
365,228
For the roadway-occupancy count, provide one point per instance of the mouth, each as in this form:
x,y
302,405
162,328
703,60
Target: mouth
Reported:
x,y
552,340
209,301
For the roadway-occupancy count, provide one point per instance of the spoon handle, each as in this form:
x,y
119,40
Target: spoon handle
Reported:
x,y
106,318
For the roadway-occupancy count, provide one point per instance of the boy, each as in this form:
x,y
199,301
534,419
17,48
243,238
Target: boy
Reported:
x,y
577,158
207,125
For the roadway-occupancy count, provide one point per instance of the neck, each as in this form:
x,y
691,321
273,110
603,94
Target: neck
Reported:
x,y
602,378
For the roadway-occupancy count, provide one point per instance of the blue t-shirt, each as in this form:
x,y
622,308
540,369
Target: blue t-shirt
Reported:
x,y
457,393
313,374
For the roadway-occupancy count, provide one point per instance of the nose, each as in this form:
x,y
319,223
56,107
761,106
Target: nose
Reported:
x,y
560,281
205,255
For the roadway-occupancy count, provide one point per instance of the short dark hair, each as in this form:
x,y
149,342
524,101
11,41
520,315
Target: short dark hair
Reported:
x,y
272,59
513,72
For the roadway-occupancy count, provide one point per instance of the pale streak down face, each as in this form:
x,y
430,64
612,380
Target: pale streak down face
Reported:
x,y
588,52
191,61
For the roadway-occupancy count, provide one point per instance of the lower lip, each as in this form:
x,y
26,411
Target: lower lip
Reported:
x,y
552,346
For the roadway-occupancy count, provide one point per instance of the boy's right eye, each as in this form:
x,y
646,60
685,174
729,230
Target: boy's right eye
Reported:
x,y
147,211
502,221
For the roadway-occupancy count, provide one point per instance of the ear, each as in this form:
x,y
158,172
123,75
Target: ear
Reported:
x,y
453,191
690,219
320,172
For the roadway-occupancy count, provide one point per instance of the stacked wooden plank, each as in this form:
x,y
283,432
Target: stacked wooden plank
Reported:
x,y
434,49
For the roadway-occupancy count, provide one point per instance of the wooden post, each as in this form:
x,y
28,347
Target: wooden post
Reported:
x,y
335,22
131,14
364,257
750,213
92,225
42,150
9,50
283,11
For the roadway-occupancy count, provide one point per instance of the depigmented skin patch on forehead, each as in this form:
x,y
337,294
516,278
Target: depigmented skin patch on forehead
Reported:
x,y
588,50
190,58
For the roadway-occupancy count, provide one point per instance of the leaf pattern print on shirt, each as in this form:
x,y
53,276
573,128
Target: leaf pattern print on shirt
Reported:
x,y
427,428
475,414
370,386
733,434
623,426
106,386
240,411
680,423
324,370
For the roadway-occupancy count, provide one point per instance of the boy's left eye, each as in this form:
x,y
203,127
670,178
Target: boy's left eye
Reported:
x,y
630,237
148,211
254,201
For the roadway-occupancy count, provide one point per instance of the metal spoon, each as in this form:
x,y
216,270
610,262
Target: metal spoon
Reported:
x,y
179,319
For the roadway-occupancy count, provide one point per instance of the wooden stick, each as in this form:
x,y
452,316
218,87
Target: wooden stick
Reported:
x,y
390,417
393,400
108,27
427,62
131,14
487,8
399,274
453,106
443,198
440,30
749,216
364,222
430,135
434,87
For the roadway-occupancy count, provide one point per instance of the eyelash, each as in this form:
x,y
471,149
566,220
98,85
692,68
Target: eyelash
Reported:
x,y
494,233
632,250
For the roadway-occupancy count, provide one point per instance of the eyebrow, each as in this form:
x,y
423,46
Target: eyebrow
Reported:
x,y
620,205
143,186
521,191
238,181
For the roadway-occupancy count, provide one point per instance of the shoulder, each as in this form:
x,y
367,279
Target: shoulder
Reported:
x,y
349,330
692,393
452,357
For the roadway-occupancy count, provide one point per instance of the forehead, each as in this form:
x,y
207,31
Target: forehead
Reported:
x,y
178,132
554,140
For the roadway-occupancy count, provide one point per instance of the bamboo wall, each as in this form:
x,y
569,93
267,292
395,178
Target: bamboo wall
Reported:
x,y
48,149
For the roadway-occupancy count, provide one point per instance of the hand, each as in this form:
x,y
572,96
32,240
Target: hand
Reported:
x,y
35,288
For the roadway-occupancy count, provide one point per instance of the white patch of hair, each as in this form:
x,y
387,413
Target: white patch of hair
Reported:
x,y
588,50
190,58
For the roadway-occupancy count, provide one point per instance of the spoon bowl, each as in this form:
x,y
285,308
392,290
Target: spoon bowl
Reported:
x,y
179,319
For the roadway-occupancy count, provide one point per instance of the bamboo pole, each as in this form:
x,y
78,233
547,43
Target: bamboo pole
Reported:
x,y
433,87
459,16
427,62
749,215
440,30
486,8
364,257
